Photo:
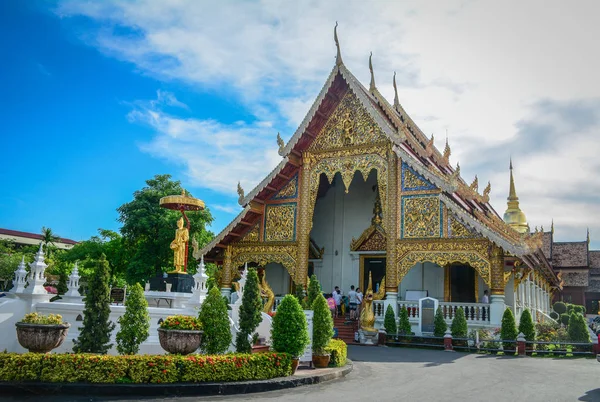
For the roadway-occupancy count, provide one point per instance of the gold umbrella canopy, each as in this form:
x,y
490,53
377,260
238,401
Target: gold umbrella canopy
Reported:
x,y
182,203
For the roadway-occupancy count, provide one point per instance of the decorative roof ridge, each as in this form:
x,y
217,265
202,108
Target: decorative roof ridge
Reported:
x,y
225,231
441,182
264,183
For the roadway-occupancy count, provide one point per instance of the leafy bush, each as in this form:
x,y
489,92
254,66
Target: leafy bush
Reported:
x,y
559,307
547,331
526,326
322,325
554,315
250,311
389,322
289,331
314,290
564,318
299,294
181,323
459,324
86,368
439,324
36,318
135,323
215,321
94,337
578,331
508,330
404,327
579,309
338,351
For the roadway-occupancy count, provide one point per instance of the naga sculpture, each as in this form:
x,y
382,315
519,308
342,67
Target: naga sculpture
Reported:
x,y
266,293
367,317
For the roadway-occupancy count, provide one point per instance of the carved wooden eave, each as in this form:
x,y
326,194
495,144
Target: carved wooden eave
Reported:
x,y
372,239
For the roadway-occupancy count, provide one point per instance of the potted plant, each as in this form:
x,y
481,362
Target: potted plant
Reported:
x,y
40,333
322,331
180,334
289,332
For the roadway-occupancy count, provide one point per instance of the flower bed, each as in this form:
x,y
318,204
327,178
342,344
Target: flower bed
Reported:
x,y
87,368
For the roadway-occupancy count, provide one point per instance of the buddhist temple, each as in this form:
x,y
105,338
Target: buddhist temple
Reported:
x,y
361,190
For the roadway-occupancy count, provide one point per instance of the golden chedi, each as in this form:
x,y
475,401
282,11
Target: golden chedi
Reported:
x,y
514,217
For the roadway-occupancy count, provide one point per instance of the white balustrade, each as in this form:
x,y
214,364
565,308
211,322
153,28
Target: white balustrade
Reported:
x,y
412,307
379,309
474,312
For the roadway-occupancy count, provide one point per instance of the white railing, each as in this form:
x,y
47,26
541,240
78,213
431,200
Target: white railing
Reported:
x,y
412,307
378,310
474,312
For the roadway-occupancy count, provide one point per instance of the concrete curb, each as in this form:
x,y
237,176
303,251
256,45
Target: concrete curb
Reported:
x,y
177,389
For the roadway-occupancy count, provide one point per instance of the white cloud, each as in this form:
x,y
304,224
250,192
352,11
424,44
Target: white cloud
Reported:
x,y
230,209
475,68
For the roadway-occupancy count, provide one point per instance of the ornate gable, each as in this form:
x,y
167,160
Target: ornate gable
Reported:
x,y
413,181
456,229
372,239
289,191
252,235
349,125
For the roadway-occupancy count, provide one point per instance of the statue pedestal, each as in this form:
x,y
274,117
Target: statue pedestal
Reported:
x,y
368,337
182,283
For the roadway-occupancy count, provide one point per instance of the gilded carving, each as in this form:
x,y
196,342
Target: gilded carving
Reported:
x,y
290,190
412,181
372,240
280,222
421,217
497,270
262,254
349,125
458,230
252,235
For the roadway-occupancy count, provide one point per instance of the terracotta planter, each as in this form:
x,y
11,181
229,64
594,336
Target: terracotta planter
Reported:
x,y
179,342
295,363
321,361
41,338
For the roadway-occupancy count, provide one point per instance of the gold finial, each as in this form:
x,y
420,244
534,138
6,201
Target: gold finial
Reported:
x,y
552,226
447,151
542,228
240,192
396,101
376,220
455,177
475,185
338,57
372,86
588,235
513,216
429,146
280,143
487,191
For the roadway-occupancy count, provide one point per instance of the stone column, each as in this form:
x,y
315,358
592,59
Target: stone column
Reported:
x,y
304,223
391,228
226,274
497,281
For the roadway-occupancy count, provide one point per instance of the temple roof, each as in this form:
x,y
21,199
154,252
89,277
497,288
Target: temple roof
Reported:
x,y
594,257
570,254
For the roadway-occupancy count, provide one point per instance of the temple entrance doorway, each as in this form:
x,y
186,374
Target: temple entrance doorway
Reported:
x,y
462,284
375,265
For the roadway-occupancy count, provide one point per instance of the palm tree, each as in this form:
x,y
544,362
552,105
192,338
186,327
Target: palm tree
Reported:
x,y
48,237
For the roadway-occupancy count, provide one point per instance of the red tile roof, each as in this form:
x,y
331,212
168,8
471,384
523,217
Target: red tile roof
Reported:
x,y
35,236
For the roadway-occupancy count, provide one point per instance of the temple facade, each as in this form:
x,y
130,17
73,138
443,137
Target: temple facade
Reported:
x,y
360,189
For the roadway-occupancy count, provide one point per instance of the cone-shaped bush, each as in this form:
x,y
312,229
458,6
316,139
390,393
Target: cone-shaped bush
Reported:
x,y
404,327
564,319
508,330
439,324
250,311
94,336
578,331
300,296
322,325
459,324
289,333
526,326
215,323
560,307
135,323
314,290
554,315
389,322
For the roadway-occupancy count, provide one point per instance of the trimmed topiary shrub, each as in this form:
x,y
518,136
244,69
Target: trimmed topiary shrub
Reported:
x,y
564,319
404,327
289,333
459,324
338,351
322,326
577,330
508,330
215,322
314,290
439,323
526,326
250,311
389,322
94,336
135,323
559,307
299,295
579,309
554,315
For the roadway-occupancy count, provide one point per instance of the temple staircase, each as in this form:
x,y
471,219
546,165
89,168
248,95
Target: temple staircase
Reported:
x,y
345,329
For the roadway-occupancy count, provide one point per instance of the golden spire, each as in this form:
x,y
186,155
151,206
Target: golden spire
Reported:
x,y
552,226
396,101
475,185
338,58
513,216
376,220
372,86
447,151
588,235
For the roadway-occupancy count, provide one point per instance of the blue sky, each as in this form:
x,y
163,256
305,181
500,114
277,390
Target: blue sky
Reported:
x,y
101,95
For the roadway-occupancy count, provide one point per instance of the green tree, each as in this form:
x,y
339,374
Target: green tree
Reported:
x,y
314,290
289,332
508,329
322,325
250,311
439,323
135,323
48,239
300,296
148,229
94,336
560,307
578,331
215,323
389,322
526,326
459,324
404,327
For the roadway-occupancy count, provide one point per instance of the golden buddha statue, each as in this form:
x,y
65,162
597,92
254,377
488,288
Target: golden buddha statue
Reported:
x,y
367,317
182,236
